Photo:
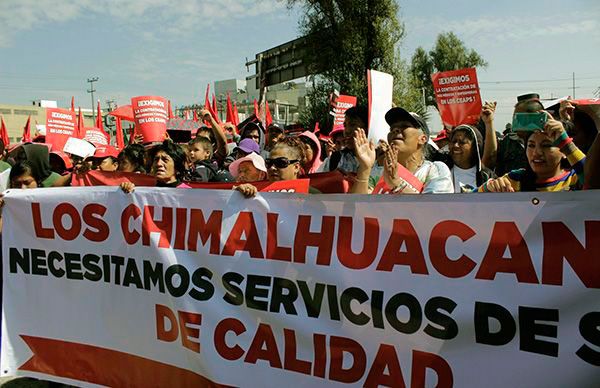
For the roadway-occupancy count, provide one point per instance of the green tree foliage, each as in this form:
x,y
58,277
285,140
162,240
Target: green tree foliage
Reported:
x,y
344,39
449,53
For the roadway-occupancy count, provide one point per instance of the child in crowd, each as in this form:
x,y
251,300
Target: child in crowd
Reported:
x,y
200,152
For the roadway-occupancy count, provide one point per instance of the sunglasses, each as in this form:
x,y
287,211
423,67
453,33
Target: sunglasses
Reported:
x,y
280,162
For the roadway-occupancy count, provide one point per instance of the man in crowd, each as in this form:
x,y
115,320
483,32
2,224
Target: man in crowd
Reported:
x,y
345,160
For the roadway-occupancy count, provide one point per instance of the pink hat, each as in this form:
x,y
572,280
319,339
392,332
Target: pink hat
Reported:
x,y
335,132
256,160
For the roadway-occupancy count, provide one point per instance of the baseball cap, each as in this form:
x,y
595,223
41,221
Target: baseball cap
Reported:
x,y
398,114
531,101
528,96
105,151
256,160
248,146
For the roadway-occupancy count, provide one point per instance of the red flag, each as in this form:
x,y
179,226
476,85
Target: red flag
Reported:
x,y
79,130
236,115
119,134
4,133
215,109
256,109
206,98
99,118
73,104
170,110
195,116
229,118
27,131
268,117
99,122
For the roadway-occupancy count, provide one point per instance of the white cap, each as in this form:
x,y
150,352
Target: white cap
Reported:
x,y
256,160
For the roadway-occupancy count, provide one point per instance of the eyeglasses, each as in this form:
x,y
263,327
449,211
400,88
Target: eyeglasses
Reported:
x,y
280,162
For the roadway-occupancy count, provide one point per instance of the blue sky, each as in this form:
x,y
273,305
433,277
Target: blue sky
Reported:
x,y
175,47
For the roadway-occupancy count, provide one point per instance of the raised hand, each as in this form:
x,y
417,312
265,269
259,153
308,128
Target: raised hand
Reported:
x,y
553,128
205,114
364,149
390,166
566,110
138,139
329,147
488,111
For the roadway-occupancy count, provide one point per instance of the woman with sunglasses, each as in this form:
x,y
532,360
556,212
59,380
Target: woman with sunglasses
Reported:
x,y
282,165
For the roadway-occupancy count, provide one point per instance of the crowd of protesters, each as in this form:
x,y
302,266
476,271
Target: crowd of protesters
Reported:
x,y
463,159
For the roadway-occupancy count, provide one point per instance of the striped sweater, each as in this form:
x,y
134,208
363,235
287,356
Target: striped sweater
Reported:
x,y
568,180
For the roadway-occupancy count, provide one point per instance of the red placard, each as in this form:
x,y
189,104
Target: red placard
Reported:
x,y
340,106
150,115
96,136
293,186
60,126
457,96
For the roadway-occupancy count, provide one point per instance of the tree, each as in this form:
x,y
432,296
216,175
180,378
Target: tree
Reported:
x,y
344,39
449,53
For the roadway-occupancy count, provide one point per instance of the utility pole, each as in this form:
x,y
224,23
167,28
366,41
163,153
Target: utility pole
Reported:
x,y
107,119
92,90
573,84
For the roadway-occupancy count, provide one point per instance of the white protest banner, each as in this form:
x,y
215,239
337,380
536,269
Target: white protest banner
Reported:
x,y
173,287
381,86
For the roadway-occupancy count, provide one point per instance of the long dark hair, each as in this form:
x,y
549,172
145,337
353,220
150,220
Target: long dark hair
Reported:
x,y
529,177
135,154
175,152
22,168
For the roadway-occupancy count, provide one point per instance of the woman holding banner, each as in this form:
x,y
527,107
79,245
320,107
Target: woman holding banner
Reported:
x,y
547,151
168,166
283,164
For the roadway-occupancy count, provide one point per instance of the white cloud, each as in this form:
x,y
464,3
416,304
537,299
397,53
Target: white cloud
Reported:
x,y
182,16
494,29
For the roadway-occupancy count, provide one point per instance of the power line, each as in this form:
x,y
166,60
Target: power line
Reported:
x,y
536,80
536,89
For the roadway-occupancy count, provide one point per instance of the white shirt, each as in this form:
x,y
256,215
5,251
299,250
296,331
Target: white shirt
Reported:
x,y
464,180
